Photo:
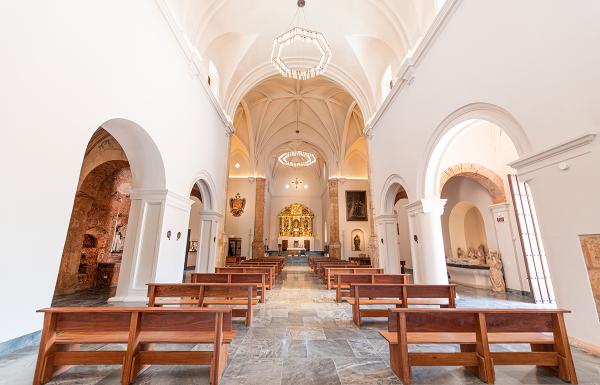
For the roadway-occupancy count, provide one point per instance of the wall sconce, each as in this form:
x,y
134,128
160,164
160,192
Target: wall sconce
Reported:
x,y
415,238
178,235
169,235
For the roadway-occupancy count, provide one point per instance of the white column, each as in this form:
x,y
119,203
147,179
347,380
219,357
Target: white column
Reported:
x,y
389,257
150,254
515,272
207,245
427,246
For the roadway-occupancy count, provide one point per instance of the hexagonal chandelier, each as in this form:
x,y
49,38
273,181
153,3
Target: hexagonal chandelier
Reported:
x,y
297,158
299,34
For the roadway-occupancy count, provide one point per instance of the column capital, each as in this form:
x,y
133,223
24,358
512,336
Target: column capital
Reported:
x,y
500,207
426,206
386,218
211,215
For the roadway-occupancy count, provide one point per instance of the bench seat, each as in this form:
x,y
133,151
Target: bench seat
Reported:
x,y
207,301
391,301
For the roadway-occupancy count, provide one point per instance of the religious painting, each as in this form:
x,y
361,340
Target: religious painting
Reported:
x,y
118,242
237,205
590,245
356,206
193,246
296,220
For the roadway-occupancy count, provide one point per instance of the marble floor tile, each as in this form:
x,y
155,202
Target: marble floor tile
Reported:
x,y
302,336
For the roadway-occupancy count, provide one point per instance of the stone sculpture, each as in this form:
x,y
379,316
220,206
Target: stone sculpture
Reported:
x,y
496,273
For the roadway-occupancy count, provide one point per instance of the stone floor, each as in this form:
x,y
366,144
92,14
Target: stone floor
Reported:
x,y
301,336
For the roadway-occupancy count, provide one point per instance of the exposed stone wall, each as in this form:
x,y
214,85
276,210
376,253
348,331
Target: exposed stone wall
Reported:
x,y
590,245
101,206
480,174
334,219
258,245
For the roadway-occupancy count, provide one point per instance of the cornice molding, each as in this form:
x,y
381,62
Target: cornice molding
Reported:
x,y
553,155
406,73
194,61
426,206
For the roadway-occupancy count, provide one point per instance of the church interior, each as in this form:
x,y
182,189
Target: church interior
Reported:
x,y
300,191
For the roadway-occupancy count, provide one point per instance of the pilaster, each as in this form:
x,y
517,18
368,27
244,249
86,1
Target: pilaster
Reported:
x,y
334,219
258,245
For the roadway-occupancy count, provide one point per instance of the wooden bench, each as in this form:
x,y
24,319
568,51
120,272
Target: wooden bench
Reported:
x,y
260,279
397,295
475,330
233,260
313,259
321,266
343,282
314,263
361,260
278,266
65,329
206,294
251,269
331,272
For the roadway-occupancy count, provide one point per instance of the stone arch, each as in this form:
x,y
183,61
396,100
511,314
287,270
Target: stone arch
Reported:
x,y
480,174
429,176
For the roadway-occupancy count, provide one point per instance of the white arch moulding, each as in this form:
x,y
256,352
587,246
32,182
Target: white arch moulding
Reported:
x,y
388,193
429,174
209,223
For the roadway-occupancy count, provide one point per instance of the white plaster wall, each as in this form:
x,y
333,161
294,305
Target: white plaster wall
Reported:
x,y
459,189
346,227
404,238
242,226
68,67
543,70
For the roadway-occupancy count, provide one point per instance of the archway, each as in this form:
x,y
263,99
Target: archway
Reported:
x,y
201,249
393,227
95,239
476,143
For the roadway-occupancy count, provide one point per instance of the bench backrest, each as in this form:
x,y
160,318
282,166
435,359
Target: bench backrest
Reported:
x,y
246,269
200,290
465,320
405,291
258,278
373,278
119,319
353,270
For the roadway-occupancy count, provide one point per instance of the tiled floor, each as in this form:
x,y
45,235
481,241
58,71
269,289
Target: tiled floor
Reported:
x,y
301,336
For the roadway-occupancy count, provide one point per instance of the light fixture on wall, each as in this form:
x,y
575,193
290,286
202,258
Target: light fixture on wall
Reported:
x,y
236,165
305,35
305,186
287,186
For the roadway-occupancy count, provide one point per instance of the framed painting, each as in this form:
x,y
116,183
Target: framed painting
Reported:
x,y
356,206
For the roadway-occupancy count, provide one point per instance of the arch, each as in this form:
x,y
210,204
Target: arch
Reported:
x,y
204,182
267,71
480,174
466,228
451,127
393,184
145,160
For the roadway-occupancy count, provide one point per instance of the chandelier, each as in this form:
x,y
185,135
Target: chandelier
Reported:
x,y
299,34
297,158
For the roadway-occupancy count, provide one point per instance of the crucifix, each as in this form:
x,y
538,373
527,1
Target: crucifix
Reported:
x,y
296,182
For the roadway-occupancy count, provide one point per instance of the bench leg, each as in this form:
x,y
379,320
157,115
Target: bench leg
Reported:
x,y
399,362
356,315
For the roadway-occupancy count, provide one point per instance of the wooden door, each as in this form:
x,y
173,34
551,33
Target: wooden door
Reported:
x,y
307,244
284,245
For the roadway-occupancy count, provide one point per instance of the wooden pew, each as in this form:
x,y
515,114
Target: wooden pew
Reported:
x,y
314,259
361,260
398,295
252,262
260,279
234,260
320,267
475,330
270,270
343,282
331,272
65,329
206,294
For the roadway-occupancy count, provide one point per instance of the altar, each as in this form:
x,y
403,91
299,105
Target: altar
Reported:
x,y
295,229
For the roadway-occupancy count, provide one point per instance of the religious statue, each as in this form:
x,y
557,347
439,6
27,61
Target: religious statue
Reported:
x,y
118,242
357,243
481,255
460,254
496,273
471,253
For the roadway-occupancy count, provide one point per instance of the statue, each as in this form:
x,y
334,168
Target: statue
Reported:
x,y
496,274
460,254
356,243
471,253
481,255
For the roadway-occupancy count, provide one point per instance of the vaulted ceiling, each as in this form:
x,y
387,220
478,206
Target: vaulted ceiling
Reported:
x,y
328,121
369,39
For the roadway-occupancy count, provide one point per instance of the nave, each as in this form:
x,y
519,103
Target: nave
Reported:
x,y
302,336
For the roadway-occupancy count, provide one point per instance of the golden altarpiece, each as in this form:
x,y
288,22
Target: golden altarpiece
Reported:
x,y
296,220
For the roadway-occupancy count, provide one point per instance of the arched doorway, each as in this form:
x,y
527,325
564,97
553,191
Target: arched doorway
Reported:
x,y
393,228
202,229
97,230
474,148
